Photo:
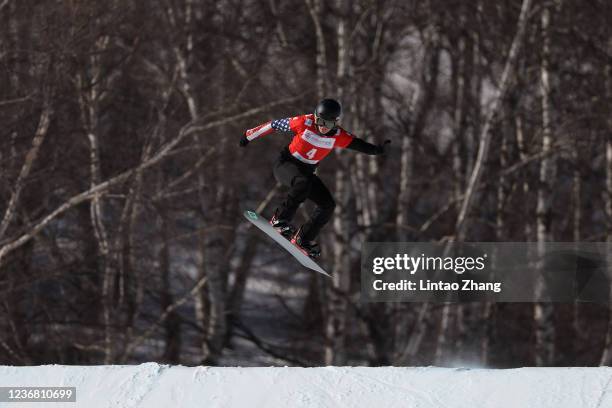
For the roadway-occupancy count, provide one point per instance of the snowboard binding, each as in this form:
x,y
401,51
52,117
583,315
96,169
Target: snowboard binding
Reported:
x,y
300,254
309,248
283,227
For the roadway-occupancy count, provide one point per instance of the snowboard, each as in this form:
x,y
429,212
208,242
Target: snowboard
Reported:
x,y
264,225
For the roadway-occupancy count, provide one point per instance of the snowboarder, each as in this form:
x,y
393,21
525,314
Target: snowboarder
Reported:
x,y
315,135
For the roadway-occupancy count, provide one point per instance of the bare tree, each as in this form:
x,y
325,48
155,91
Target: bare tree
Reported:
x,y
485,135
120,180
543,313
606,355
483,151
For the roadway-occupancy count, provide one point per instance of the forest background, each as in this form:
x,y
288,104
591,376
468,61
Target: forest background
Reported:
x,y
122,183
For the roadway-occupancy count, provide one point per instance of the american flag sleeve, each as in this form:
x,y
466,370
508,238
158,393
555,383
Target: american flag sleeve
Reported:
x,y
267,128
281,125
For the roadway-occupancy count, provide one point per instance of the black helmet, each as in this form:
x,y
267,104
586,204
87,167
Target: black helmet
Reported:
x,y
327,113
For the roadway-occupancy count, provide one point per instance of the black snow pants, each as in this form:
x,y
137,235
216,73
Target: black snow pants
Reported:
x,y
303,184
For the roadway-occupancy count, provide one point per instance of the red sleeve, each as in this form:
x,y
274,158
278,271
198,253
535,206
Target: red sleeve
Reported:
x,y
343,139
296,123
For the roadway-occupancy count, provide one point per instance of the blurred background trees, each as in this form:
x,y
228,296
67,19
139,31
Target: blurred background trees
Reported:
x,y
121,184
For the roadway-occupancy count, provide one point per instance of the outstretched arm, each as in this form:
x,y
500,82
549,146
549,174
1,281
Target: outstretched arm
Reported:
x,y
265,129
362,146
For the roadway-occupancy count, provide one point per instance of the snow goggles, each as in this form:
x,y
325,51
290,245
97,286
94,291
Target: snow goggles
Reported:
x,y
326,123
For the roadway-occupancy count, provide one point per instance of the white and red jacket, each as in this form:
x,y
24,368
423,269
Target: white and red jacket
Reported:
x,y
307,145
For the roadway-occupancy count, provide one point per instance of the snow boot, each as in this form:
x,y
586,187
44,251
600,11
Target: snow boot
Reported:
x,y
310,248
283,227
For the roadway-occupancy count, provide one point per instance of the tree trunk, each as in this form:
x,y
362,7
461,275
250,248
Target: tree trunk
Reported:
x,y
429,83
459,82
488,315
30,158
314,8
172,323
576,236
485,135
201,304
461,226
523,155
543,312
606,356
337,316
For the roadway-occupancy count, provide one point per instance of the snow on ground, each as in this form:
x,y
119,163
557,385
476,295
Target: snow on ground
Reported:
x,y
159,386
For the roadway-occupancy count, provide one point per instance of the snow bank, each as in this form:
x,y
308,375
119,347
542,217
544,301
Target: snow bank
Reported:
x,y
158,386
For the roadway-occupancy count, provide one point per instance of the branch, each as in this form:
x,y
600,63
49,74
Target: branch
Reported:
x,y
485,136
16,100
171,308
188,129
39,137
502,173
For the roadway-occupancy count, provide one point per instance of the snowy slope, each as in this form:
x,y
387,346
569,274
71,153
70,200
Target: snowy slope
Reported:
x,y
155,386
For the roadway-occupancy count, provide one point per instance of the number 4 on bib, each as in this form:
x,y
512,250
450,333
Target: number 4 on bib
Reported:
x,y
311,153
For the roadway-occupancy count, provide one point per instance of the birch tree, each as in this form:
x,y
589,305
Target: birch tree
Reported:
x,y
483,151
543,312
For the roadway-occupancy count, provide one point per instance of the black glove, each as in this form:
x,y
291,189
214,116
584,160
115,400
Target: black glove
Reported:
x,y
244,141
381,147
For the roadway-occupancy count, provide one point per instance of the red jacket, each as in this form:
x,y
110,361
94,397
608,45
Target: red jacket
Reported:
x,y
308,145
